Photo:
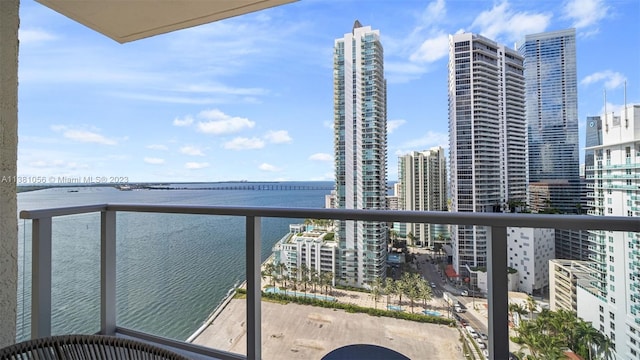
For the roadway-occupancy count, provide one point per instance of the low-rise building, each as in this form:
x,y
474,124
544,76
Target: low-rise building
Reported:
x,y
307,246
564,277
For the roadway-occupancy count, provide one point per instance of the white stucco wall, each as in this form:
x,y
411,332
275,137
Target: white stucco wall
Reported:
x,y
9,21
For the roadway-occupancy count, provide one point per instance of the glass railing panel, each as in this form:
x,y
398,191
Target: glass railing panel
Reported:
x,y
75,274
174,269
23,322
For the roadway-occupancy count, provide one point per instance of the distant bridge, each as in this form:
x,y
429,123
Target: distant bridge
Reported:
x,y
270,187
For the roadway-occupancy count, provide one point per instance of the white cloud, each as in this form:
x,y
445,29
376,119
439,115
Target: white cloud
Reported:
x,y
321,157
57,164
220,123
29,36
191,150
328,124
394,124
242,143
83,135
611,79
435,11
432,49
585,13
501,22
196,165
167,99
617,109
157,147
430,139
220,89
268,167
186,121
278,137
153,161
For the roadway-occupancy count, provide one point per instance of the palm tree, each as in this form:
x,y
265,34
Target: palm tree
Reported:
x,y
411,237
269,270
376,289
411,289
389,288
328,281
531,306
515,308
304,276
404,285
314,278
424,291
293,278
282,268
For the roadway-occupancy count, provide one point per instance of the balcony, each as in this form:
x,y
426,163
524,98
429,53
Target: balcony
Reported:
x,y
42,248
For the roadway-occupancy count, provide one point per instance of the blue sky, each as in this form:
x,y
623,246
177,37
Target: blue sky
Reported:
x,y
251,98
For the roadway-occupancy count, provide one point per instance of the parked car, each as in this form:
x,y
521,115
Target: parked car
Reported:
x,y
481,345
464,293
484,336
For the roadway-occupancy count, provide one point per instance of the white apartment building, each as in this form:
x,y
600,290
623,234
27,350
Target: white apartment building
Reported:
x,y
615,256
422,186
360,126
487,138
306,247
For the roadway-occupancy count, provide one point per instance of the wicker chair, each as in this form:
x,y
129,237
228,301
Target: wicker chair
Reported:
x,y
80,347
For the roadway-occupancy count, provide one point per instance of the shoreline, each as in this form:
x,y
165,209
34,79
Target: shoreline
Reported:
x,y
221,306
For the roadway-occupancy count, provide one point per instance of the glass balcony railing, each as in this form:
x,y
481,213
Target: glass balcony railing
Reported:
x,y
109,232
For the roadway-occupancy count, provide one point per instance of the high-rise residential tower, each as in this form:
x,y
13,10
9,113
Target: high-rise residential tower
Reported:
x,y
551,97
360,126
422,183
487,138
615,287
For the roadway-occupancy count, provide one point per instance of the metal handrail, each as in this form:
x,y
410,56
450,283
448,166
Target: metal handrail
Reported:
x,y
574,222
496,254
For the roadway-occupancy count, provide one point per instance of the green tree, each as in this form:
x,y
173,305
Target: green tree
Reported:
x,y
411,237
314,278
293,278
389,288
304,276
424,291
270,271
376,290
282,268
551,332
531,306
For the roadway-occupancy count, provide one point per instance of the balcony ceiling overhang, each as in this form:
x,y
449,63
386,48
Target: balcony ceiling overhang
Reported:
x,y
129,20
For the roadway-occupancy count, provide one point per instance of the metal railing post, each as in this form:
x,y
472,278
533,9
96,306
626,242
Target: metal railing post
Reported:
x,y
497,296
108,272
254,288
41,278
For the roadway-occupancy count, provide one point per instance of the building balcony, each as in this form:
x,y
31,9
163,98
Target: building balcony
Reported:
x,y
112,225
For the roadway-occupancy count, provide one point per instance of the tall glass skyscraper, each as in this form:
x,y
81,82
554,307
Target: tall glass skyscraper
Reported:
x,y
360,126
551,95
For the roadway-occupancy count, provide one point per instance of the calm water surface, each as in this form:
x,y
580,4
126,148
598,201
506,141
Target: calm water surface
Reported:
x,y
172,270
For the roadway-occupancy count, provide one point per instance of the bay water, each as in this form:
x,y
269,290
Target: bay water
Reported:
x,y
172,270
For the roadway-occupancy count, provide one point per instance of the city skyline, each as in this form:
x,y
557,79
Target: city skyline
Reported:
x,y
250,98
